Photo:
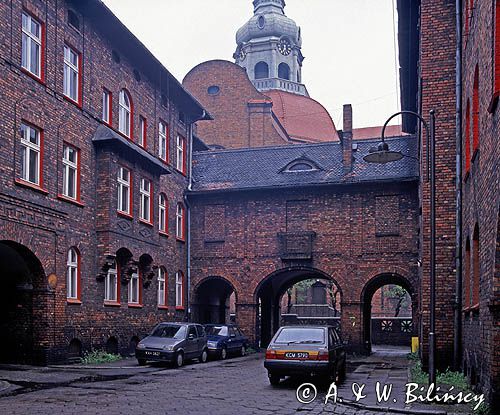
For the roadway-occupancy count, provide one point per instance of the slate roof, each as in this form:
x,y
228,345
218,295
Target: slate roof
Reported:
x,y
265,167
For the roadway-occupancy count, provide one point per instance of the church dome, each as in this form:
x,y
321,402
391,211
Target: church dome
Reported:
x,y
303,118
269,20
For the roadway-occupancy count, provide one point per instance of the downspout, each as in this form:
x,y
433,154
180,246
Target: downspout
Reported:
x,y
457,338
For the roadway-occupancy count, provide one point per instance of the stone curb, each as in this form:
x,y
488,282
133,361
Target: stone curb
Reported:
x,y
394,410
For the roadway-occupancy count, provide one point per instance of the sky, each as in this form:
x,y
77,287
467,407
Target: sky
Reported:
x,y
349,45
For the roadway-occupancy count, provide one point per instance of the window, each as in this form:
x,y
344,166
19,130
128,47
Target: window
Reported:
x,y
467,263
179,290
213,90
142,132
181,154
283,71
163,141
467,137
475,111
162,288
261,70
124,193
134,289
73,275
125,114
31,145
179,223
163,213
146,201
71,174
32,47
73,20
475,266
71,77
111,284
106,106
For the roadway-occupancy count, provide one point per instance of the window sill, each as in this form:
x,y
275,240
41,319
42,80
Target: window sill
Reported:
x,y
78,104
494,102
145,222
179,307
164,234
32,186
40,80
162,307
124,215
124,135
183,240
474,308
134,305
112,304
181,172
73,301
69,200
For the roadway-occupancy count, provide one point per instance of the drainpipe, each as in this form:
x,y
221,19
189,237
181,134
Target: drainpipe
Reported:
x,y
457,338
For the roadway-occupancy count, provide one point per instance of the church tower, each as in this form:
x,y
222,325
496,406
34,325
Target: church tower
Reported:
x,y
269,48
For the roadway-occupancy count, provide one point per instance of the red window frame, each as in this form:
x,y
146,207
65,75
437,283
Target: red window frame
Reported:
x,y
151,203
78,299
165,290
139,304
131,101
116,303
475,112
80,78
20,181
130,214
184,155
40,78
143,132
183,285
182,236
163,231
167,141
62,196
109,121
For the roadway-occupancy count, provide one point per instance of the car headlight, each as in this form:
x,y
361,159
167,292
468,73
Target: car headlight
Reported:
x,y
141,346
168,347
212,344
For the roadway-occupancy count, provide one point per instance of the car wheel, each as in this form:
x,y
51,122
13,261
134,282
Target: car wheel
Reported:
x,y
274,380
223,353
204,356
142,362
179,360
243,350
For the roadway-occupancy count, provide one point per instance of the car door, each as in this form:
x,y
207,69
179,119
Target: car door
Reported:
x,y
192,343
202,338
234,342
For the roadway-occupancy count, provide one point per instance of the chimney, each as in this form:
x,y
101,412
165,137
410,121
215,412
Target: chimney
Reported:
x,y
347,139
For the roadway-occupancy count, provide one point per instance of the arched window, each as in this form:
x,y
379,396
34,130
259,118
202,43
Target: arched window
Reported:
x,y
475,111
134,289
162,287
179,290
475,266
180,222
467,291
73,275
111,286
163,213
261,70
283,71
125,114
467,137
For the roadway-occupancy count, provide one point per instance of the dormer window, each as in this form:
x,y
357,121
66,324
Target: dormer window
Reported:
x,y
300,165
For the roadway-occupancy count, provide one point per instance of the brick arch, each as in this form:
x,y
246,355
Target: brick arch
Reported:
x,y
211,303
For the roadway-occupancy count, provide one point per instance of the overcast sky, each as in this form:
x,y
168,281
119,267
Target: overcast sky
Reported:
x,y
348,45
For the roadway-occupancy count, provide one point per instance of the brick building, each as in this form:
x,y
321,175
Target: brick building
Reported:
x,y
94,163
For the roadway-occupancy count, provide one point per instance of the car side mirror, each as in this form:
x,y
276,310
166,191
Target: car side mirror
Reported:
x,y
191,337
232,335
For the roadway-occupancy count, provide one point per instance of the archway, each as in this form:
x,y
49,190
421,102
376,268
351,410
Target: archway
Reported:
x,y
212,301
387,318
261,70
21,271
270,300
283,71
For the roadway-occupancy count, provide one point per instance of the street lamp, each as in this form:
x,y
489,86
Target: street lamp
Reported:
x,y
381,155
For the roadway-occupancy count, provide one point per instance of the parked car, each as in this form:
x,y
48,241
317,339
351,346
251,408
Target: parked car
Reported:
x,y
306,350
224,339
174,343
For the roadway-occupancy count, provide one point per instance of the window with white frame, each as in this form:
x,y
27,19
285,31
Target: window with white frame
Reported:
x,y
163,140
72,272
71,78
31,54
70,172
181,154
125,113
145,208
133,289
162,297
142,131
111,284
30,154
179,228
124,190
179,288
106,106
162,213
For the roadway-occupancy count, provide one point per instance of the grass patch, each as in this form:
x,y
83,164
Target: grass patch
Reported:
x,y
99,356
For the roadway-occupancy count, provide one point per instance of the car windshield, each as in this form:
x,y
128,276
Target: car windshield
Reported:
x,y
301,335
216,330
170,331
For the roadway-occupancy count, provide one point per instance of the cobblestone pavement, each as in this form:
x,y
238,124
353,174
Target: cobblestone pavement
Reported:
x,y
233,387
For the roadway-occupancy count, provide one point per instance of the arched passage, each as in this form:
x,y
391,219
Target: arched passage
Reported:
x,y
373,286
21,272
268,297
212,301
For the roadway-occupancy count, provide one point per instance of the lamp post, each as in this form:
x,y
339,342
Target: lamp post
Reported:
x,y
381,155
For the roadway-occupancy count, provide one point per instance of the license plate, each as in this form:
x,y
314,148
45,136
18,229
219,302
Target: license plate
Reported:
x,y
152,353
296,355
